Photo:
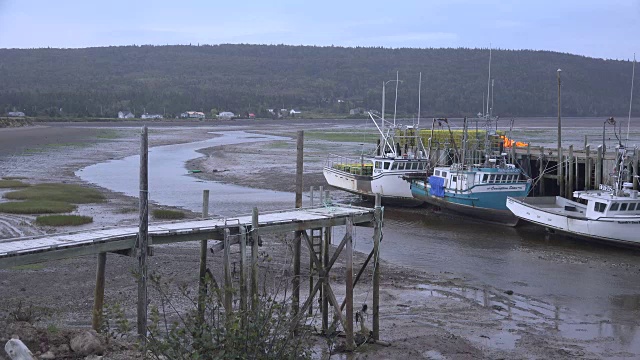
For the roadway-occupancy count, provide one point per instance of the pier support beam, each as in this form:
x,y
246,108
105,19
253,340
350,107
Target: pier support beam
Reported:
x,y
377,237
541,171
297,240
587,167
560,171
635,169
98,295
143,236
202,289
254,259
598,167
228,284
572,171
326,242
350,344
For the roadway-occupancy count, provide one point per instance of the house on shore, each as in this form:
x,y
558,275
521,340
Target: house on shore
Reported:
x,y
15,114
151,116
192,115
125,115
226,115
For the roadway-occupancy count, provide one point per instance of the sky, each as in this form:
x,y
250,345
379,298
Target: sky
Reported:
x,y
604,29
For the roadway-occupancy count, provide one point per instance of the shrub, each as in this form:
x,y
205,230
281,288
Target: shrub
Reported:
x,y
63,220
168,214
36,207
70,193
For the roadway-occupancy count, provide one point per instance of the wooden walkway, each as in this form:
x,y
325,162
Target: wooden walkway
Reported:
x,y
21,251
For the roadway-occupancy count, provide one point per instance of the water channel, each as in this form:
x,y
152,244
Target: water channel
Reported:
x,y
585,290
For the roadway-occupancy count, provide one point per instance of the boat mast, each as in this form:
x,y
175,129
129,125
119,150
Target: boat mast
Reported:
x,y
419,88
491,113
383,141
633,75
489,80
395,104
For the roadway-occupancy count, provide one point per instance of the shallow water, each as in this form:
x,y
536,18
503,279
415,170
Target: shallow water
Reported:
x,y
170,182
575,289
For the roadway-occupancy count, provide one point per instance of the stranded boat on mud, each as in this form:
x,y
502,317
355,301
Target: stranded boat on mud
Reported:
x,y
382,173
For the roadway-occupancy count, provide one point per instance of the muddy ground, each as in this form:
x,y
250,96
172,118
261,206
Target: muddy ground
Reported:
x,y
417,326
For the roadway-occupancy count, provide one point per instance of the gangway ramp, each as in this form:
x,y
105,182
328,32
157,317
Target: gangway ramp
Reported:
x,y
35,249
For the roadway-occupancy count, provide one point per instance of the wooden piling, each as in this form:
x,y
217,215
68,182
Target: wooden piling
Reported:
x,y
571,168
326,241
254,259
560,172
350,344
202,289
541,171
297,240
98,294
377,236
587,166
598,167
228,284
635,169
143,234
243,272
311,196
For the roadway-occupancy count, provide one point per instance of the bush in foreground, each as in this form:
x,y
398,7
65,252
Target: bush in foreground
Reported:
x,y
69,193
63,220
163,214
10,183
36,207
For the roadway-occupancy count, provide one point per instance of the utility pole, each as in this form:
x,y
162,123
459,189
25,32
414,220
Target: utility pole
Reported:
x,y
560,163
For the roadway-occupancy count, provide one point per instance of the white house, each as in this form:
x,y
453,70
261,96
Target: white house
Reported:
x,y
193,115
226,115
15,114
151,116
125,115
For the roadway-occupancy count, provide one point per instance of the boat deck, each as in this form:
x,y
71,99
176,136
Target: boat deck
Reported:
x,y
557,205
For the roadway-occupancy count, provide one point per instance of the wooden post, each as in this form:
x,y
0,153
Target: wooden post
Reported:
x,y
587,166
321,191
377,236
254,259
299,167
326,241
560,172
350,345
541,171
598,167
243,265
143,232
635,169
228,284
98,294
571,183
311,196
297,240
202,289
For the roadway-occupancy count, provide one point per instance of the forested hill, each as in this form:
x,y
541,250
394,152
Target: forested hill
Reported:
x,y
252,78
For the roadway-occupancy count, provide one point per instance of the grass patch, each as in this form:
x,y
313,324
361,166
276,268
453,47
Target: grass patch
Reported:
x,y
27,267
36,207
108,134
70,193
352,136
168,214
14,178
6,183
280,145
63,220
126,210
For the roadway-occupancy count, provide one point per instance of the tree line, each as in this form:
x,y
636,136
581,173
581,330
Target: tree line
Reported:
x,y
99,82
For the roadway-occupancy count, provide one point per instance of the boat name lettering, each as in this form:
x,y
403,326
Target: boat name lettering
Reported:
x,y
605,187
506,187
628,222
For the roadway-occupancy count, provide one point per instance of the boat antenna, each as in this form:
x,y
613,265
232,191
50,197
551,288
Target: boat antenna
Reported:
x,y
395,104
489,79
483,104
419,88
633,75
491,113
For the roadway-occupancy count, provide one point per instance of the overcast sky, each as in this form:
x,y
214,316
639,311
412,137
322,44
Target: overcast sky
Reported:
x,y
605,28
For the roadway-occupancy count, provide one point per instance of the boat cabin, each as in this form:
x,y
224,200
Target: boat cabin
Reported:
x,y
400,165
605,204
456,177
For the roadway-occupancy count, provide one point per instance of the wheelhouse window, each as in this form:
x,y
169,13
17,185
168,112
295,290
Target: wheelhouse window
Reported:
x,y
485,178
414,166
437,172
394,166
400,166
454,178
614,206
600,207
378,165
444,174
632,206
623,207
386,165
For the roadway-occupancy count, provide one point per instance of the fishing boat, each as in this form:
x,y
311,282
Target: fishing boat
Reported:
x,y
479,191
399,152
610,213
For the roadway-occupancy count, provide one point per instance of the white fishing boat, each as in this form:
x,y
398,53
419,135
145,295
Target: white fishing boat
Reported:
x,y
383,172
611,213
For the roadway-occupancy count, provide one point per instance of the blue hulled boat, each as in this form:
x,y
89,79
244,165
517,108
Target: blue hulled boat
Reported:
x,y
477,191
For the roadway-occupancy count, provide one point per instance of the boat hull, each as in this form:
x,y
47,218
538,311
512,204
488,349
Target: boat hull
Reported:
x,y
487,206
540,211
390,185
